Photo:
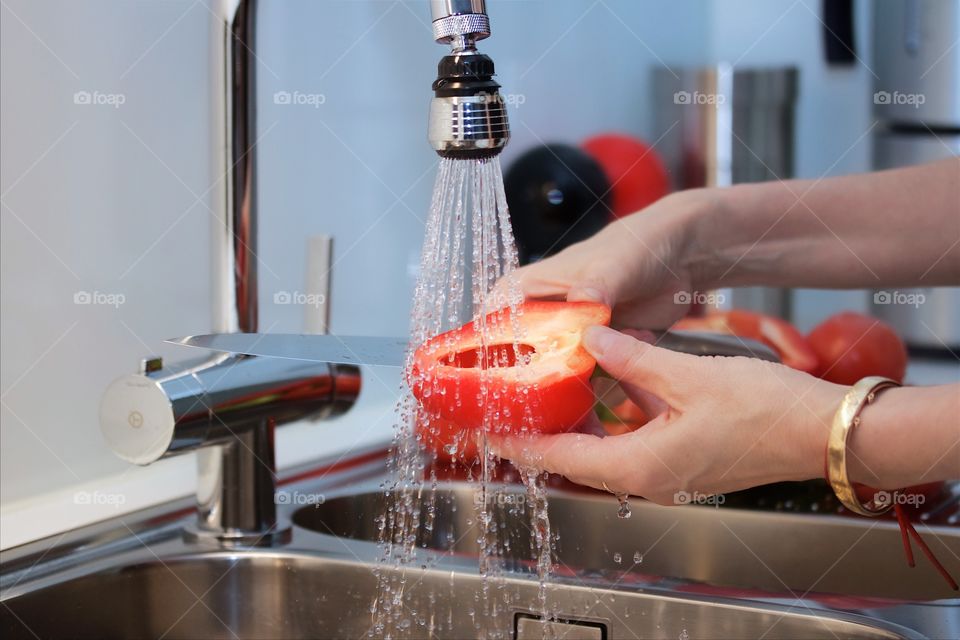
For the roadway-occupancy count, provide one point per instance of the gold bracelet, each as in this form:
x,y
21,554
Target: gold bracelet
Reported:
x,y
845,420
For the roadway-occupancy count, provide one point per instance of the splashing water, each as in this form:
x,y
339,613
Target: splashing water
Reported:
x,y
466,268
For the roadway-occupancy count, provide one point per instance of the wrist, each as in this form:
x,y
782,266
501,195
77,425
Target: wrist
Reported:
x,y
815,415
735,241
692,215
886,450
704,212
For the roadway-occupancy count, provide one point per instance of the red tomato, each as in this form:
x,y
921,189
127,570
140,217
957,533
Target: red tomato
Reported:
x,y
547,391
448,440
851,346
636,173
779,335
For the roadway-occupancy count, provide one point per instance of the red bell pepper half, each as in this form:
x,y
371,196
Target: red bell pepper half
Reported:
x,y
512,373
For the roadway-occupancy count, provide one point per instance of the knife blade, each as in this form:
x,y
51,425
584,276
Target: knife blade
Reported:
x,y
377,351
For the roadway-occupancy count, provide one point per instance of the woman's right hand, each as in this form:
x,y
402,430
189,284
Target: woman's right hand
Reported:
x,y
638,265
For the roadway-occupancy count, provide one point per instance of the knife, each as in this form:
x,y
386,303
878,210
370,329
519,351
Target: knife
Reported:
x,y
377,351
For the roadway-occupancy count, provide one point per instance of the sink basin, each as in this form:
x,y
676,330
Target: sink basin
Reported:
x,y
734,552
271,594
700,573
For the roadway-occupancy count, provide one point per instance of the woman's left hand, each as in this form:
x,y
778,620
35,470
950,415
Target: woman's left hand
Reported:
x,y
721,424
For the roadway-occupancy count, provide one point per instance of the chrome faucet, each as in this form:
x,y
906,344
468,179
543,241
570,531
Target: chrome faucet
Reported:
x,y
467,118
226,407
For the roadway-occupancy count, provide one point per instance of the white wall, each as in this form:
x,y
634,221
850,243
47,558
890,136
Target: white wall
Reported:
x,y
89,205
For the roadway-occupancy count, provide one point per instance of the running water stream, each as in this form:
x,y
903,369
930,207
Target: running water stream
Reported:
x,y
466,273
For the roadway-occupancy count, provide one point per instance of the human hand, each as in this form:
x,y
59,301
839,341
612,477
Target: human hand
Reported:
x,y
636,265
721,424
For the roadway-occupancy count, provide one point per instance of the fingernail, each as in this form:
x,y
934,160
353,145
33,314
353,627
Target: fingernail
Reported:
x,y
586,294
598,340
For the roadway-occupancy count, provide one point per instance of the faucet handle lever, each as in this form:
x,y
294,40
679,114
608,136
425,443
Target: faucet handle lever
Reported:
x,y
318,281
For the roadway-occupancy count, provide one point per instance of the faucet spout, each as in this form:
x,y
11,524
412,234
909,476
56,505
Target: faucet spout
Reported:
x,y
468,118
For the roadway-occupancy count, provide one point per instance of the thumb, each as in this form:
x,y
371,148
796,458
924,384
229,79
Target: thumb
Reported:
x,y
592,291
604,285
665,373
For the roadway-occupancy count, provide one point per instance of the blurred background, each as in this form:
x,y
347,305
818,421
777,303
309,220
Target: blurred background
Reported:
x,y
110,182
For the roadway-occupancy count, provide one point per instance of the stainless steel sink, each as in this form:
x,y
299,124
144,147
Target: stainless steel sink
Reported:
x,y
262,594
703,573
745,552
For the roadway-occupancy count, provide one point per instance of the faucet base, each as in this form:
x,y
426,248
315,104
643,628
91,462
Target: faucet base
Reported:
x,y
278,535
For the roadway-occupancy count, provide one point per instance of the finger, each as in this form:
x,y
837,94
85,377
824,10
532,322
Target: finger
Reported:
x,y
581,458
648,402
548,278
564,276
592,291
666,374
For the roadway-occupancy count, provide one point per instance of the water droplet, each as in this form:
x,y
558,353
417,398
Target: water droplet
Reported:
x,y
468,249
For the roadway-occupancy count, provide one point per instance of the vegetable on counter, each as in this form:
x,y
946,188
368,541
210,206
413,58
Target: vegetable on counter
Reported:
x,y
541,384
851,346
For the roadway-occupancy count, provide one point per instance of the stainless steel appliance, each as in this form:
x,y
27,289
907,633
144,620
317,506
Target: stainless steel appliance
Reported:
x,y
916,100
726,126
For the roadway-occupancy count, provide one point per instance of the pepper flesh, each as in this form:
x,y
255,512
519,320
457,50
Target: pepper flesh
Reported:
x,y
512,372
